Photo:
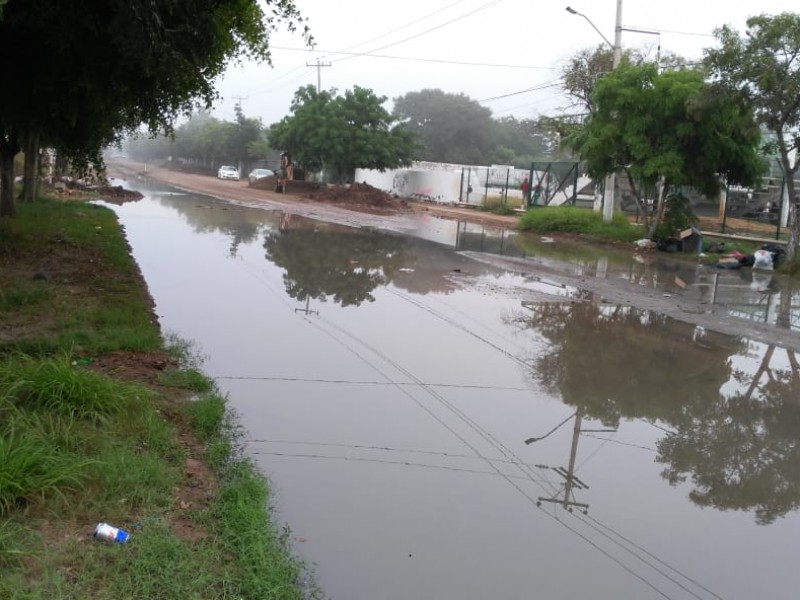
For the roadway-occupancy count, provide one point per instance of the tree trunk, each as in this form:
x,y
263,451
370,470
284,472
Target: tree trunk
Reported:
x,y
637,198
9,146
30,179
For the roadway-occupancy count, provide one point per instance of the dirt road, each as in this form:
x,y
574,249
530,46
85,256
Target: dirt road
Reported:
x,y
299,200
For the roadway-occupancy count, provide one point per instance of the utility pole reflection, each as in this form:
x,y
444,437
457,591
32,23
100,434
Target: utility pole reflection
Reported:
x,y
571,481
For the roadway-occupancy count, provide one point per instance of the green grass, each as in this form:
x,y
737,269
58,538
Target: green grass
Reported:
x,y
570,219
500,206
74,282
55,386
78,446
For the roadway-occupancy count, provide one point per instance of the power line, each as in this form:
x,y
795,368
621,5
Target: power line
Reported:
x,y
356,382
409,24
543,86
420,34
420,59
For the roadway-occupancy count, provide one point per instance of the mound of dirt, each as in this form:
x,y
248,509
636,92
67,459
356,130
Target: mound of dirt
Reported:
x,y
116,194
357,193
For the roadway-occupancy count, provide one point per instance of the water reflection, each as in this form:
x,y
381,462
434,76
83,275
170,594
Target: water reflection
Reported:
x,y
327,261
734,429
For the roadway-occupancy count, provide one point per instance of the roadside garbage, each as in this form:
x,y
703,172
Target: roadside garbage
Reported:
x,y
82,361
645,244
716,248
762,260
109,533
778,253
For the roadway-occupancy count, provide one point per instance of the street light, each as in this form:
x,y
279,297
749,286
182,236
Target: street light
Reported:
x,y
610,185
572,11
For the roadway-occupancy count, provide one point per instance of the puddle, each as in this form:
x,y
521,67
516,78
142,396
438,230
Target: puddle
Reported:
x,y
388,386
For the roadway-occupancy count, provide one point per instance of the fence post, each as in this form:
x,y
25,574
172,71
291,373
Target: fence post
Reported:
x,y
505,192
486,189
461,187
575,186
527,197
725,208
780,209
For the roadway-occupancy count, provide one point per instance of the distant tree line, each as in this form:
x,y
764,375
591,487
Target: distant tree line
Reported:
x,y
338,133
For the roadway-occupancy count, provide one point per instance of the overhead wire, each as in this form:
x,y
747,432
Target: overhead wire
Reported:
x,y
427,31
526,476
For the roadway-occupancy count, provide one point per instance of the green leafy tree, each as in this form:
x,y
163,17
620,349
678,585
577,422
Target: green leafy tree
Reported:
x,y
342,133
668,130
92,70
452,128
763,66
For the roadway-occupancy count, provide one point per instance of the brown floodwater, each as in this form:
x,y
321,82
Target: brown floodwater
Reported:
x,y
434,426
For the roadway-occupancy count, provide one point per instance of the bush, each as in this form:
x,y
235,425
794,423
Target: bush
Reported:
x,y
677,217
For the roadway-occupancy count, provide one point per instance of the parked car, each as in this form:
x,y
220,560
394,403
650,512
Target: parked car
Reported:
x,y
257,174
226,172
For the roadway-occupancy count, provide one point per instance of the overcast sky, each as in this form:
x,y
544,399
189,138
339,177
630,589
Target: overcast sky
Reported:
x,y
507,54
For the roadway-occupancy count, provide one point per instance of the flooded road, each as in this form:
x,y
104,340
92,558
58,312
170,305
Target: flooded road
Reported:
x,y
437,425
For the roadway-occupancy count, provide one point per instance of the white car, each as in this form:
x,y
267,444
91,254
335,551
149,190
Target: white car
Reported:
x,y
257,174
226,172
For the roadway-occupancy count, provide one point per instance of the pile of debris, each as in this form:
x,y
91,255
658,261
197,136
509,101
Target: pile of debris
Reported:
x,y
116,194
361,194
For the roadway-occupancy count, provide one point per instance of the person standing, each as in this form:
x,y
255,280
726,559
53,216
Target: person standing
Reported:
x,y
525,186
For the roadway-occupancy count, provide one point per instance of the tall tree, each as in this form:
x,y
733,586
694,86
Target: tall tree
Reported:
x,y
452,128
763,66
668,130
341,133
158,60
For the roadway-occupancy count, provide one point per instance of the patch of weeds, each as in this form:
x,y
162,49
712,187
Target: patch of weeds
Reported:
x,y
571,219
32,464
56,386
186,379
23,297
499,206
207,415
265,567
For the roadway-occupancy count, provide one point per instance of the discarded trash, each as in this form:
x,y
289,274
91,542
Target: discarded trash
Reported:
x,y
645,244
82,361
108,533
546,240
763,260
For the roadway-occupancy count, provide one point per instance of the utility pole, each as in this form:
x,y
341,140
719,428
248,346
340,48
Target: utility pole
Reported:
x,y
319,66
611,180
239,101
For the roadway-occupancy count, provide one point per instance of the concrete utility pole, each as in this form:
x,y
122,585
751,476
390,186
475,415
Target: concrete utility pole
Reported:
x,y
611,180
319,66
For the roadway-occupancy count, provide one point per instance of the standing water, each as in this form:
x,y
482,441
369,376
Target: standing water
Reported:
x,y
437,427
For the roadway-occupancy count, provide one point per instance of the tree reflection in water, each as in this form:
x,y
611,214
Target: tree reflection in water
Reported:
x,y
331,261
739,449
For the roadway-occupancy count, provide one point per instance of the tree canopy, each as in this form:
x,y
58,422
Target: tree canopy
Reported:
x,y
340,133
667,130
763,68
91,70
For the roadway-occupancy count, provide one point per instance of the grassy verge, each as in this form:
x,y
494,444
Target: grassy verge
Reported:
x,y
101,421
570,219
